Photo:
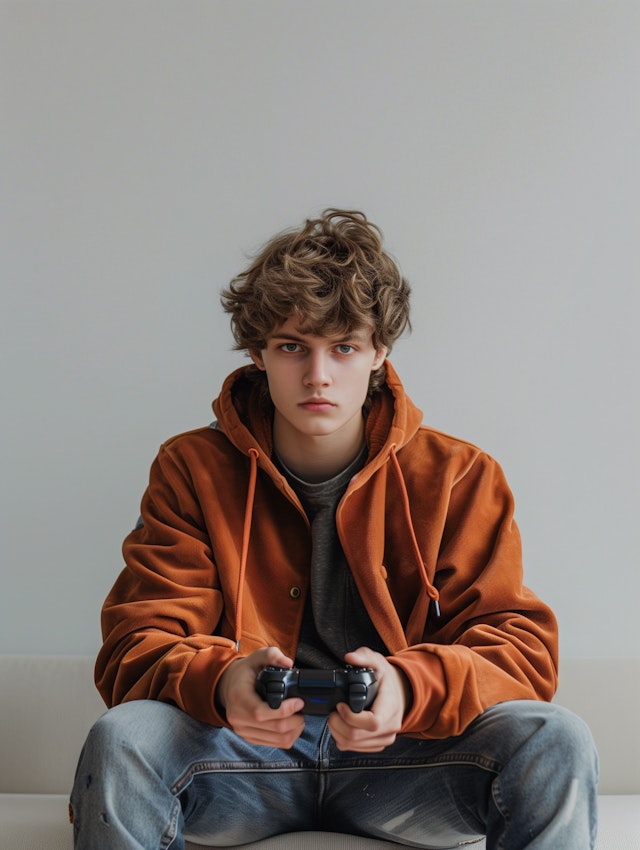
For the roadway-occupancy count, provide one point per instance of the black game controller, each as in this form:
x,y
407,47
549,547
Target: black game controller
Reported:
x,y
321,690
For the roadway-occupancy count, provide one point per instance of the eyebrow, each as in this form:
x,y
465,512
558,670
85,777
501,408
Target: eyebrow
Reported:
x,y
296,337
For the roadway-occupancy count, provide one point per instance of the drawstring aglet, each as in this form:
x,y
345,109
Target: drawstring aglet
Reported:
x,y
436,606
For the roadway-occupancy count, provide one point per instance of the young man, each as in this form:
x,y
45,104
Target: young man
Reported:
x,y
317,522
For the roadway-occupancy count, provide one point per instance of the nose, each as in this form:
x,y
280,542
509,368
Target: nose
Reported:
x,y
316,373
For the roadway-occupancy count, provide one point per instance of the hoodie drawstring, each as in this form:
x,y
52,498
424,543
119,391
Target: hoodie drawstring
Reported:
x,y
246,534
430,589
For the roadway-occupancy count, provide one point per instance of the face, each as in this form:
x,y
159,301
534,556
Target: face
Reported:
x,y
318,384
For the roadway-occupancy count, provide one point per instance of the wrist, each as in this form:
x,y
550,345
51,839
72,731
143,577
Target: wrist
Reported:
x,y
404,686
221,691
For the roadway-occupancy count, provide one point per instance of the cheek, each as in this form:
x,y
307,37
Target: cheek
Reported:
x,y
280,381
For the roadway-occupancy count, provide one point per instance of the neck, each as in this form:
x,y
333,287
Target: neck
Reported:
x,y
317,458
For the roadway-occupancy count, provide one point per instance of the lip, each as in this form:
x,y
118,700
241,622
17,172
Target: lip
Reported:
x,y
317,404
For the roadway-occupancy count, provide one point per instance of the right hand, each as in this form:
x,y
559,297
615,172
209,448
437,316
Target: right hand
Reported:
x,y
247,714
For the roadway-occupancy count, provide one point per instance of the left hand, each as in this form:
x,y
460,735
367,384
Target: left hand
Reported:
x,y
372,730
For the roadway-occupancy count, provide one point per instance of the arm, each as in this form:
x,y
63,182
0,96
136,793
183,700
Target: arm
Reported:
x,y
164,627
494,640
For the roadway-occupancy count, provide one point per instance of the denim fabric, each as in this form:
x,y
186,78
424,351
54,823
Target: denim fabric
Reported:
x,y
524,774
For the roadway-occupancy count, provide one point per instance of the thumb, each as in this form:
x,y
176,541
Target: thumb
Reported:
x,y
363,657
272,656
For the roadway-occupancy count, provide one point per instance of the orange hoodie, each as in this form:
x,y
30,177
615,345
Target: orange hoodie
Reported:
x,y
219,566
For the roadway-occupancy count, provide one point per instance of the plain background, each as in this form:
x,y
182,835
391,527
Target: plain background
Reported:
x,y
147,148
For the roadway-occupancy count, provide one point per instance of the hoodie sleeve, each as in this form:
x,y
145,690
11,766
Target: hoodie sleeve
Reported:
x,y
163,622
494,640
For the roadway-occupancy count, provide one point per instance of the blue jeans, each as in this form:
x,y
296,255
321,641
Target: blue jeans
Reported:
x,y
524,774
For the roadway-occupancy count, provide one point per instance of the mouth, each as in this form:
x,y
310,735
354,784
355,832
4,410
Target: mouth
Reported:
x,y
317,404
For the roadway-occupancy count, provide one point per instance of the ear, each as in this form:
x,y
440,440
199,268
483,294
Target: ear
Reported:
x,y
378,360
257,359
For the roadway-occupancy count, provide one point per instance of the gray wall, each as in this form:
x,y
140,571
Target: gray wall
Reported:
x,y
146,147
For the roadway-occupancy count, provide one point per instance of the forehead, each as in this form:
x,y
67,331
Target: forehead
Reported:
x,y
293,328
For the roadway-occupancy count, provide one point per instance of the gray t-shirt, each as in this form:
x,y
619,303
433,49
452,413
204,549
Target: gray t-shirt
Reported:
x,y
335,619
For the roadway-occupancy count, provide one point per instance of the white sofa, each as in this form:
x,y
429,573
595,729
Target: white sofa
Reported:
x,y
48,703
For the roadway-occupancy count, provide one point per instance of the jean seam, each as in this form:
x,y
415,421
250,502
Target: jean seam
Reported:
x,y
208,767
200,768
171,832
503,809
435,761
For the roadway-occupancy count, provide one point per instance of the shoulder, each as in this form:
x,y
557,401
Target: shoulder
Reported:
x,y
440,445
197,446
437,453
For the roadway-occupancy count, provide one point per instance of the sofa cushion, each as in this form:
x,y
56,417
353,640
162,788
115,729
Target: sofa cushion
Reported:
x,y
47,706
605,692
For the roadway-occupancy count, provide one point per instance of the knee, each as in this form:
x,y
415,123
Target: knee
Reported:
x,y
571,738
559,736
127,728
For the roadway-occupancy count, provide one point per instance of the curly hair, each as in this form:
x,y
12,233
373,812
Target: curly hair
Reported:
x,y
332,274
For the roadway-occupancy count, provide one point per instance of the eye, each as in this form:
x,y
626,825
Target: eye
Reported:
x,y
344,348
290,347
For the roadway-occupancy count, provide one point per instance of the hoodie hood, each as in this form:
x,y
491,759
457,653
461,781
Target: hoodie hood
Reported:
x,y
245,415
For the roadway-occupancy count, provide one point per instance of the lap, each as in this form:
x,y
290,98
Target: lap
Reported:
x,y
488,741
445,782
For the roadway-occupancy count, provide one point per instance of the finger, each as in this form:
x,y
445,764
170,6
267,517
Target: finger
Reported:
x,y
273,726
288,708
367,731
365,720
354,740
281,738
277,658
279,725
270,656
363,657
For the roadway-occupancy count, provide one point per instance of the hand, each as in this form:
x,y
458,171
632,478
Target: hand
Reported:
x,y
373,730
247,714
